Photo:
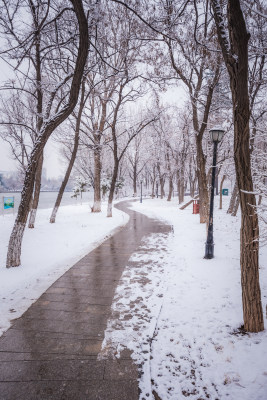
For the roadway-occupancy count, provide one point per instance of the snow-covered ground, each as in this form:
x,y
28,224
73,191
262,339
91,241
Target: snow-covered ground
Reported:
x,y
48,251
177,312
180,313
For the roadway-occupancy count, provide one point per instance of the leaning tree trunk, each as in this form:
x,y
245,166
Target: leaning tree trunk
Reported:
x,y
97,175
15,241
37,189
97,159
221,187
63,186
112,188
189,202
170,189
235,56
233,198
202,182
72,159
235,208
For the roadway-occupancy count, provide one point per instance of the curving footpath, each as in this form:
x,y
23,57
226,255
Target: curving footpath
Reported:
x,y
50,352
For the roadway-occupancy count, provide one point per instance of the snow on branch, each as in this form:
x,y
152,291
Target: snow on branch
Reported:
x,y
249,6
222,33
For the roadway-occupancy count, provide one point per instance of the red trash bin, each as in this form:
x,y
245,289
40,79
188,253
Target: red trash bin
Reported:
x,y
196,207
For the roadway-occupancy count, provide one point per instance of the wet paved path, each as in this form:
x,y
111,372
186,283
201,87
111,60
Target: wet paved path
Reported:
x,y
50,353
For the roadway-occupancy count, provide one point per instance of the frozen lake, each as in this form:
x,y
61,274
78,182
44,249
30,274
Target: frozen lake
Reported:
x,y
47,200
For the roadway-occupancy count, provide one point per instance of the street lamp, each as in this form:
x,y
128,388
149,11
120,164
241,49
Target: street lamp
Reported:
x,y
216,135
141,198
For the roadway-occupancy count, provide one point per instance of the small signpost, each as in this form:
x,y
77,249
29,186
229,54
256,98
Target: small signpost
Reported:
x,y
9,202
225,192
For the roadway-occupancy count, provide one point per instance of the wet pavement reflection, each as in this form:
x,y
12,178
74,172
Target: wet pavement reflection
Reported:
x,y
50,353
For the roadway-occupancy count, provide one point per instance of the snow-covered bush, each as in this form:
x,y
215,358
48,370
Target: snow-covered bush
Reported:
x,y
81,185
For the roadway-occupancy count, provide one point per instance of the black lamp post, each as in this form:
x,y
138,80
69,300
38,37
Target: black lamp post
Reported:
x,y
216,135
141,198
157,189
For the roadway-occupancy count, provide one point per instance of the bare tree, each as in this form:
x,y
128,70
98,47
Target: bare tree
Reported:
x,y
234,45
62,112
137,157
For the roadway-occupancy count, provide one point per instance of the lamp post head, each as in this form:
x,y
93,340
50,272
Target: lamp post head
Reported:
x,y
216,133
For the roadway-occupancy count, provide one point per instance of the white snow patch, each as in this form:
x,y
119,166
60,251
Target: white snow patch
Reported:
x,y
48,251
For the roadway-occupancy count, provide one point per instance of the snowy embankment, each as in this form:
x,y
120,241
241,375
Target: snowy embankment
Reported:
x,y
48,251
185,312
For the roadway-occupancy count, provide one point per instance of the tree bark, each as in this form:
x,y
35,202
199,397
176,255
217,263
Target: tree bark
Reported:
x,y
236,205
181,187
170,189
97,174
233,198
221,186
135,180
112,187
162,191
97,158
216,181
235,53
14,247
202,182
153,189
37,189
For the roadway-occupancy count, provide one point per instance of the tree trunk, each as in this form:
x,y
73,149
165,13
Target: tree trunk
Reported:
x,y
37,189
221,187
162,192
233,198
251,293
181,186
15,241
153,188
217,182
112,187
97,157
97,175
135,180
236,205
170,189
236,59
72,159
202,183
